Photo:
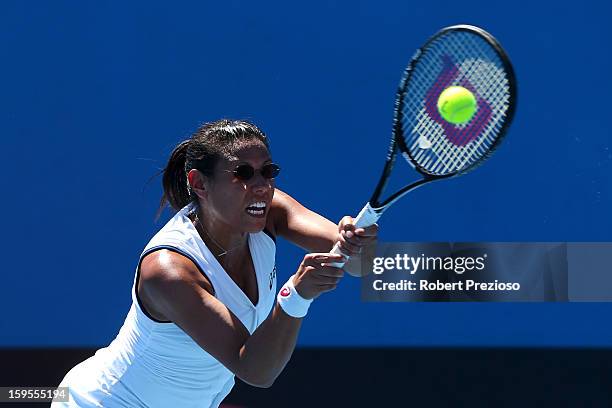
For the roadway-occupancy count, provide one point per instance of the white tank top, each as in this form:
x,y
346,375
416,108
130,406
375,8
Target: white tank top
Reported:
x,y
156,364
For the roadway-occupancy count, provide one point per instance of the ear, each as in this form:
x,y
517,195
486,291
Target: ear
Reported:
x,y
198,182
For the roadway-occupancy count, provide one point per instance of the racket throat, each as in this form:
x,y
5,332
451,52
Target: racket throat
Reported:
x,y
368,216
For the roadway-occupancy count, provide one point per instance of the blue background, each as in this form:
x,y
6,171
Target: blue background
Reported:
x,y
94,96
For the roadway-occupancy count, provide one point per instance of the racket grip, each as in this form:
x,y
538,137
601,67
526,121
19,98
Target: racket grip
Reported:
x,y
366,217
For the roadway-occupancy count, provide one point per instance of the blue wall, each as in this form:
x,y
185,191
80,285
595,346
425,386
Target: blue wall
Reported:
x,y
94,95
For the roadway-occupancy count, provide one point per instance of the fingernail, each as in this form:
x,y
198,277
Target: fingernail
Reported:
x,y
349,234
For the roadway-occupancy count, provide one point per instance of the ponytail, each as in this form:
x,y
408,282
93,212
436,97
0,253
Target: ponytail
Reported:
x,y
176,189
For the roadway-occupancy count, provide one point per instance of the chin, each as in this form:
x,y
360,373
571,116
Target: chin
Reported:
x,y
254,225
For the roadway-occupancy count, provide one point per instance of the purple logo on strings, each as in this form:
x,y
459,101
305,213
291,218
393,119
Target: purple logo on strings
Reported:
x,y
456,135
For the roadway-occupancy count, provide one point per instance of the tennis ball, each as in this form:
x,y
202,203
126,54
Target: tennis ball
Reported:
x,y
457,105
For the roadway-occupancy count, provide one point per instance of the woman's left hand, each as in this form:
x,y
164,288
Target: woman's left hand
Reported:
x,y
353,240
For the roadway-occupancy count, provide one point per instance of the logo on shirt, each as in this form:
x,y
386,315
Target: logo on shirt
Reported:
x,y
272,277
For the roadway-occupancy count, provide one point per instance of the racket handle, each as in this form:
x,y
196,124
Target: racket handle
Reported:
x,y
366,217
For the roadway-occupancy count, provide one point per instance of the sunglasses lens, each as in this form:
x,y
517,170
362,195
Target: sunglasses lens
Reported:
x,y
270,171
244,172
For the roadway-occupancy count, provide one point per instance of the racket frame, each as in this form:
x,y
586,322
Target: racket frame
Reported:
x,y
398,142
374,208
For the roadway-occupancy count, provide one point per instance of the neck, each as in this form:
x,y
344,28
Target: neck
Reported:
x,y
217,238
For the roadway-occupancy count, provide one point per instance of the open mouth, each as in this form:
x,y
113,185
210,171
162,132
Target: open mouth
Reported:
x,y
257,209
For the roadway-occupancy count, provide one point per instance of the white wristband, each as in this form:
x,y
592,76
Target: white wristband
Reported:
x,y
290,300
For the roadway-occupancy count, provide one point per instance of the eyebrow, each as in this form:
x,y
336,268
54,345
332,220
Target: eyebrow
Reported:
x,y
268,160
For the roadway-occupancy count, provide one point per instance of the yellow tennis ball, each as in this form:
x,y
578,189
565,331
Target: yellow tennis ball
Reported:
x,y
457,105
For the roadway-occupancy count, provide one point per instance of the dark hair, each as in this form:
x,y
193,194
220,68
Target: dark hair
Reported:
x,y
206,146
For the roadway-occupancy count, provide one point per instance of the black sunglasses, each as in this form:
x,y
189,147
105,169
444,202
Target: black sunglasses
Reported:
x,y
245,172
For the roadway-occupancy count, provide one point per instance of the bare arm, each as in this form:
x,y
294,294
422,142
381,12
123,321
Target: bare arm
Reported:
x,y
313,232
179,292
305,228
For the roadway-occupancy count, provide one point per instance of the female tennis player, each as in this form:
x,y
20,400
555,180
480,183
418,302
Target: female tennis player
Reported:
x,y
205,307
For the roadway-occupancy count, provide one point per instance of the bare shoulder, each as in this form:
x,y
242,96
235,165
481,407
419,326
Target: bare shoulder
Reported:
x,y
282,200
160,272
282,205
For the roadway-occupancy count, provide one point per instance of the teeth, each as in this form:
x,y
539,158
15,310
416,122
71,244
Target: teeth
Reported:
x,y
257,208
259,204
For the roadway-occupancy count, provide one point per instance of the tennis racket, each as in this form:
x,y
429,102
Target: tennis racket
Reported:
x,y
460,55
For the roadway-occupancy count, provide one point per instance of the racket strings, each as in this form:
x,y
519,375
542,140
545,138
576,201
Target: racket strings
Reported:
x,y
491,130
424,129
456,156
456,58
459,157
427,128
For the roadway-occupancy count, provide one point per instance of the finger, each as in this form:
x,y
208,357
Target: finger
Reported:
x,y
349,252
355,239
368,231
352,248
362,241
322,257
348,228
346,220
330,272
327,288
325,280
318,280
304,269
316,259
349,233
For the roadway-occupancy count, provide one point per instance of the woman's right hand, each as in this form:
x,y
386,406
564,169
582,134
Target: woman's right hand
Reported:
x,y
314,276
